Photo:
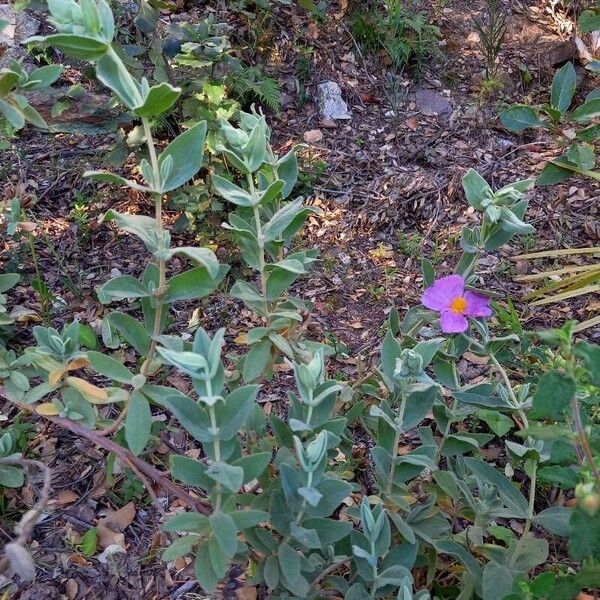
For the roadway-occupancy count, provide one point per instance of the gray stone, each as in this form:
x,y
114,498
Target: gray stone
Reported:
x,y
331,104
20,27
431,103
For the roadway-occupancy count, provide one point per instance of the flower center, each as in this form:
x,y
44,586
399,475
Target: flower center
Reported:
x,y
458,305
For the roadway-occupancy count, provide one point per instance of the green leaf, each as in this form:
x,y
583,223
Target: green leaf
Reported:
x,y
225,532
497,581
281,219
591,133
289,562
131,329
124,286
271,572
111,368
529,553
139,225
272,192
582,155
204,256
112,178
187,153
520,117
287,169
584,539
32,116
555,520
228,476
43,77
500,424
191,522
8,281
159,99
553,395
89,542
563,87
512,498
13,115
111,71
253,465
587,111
138,422
307,537
245,519
590,353
11,477
476,189
231,192
564,477
205,573
193,284
80,47
180,547
589,20
552,174
191,472
257,360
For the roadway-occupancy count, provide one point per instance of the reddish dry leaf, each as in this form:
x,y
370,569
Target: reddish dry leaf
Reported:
x,y
71,589
66,497
246,593
112,526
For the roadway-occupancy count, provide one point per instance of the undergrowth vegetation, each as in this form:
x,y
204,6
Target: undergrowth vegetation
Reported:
x,y
426,511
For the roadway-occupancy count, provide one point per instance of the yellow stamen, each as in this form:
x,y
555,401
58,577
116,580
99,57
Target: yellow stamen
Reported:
x,y
458,305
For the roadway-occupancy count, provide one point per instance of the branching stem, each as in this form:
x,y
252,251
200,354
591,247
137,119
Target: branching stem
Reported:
x,y
399,424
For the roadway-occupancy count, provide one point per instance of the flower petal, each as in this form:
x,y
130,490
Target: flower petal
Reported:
x,y
477,305
440,295
453,322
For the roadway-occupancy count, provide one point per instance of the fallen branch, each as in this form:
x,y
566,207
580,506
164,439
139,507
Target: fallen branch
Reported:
x,y
138,464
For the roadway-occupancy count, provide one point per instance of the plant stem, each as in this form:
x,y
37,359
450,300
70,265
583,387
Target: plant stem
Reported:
x,y
261,247
399,423
330,569
216,441
529,518
374,570
583,440
38,276
162,273
445,433
500,369
162,269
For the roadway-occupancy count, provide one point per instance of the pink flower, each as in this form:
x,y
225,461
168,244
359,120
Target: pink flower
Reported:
x,y
447,295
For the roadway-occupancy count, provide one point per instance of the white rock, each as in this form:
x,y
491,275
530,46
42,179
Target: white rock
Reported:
x,y
330,101
20,27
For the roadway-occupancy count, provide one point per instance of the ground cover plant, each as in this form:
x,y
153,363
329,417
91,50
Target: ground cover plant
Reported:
x,y
409,479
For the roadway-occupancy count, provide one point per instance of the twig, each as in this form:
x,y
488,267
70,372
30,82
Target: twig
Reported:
x,y
116,423
148,487
15,553
30,518
125,456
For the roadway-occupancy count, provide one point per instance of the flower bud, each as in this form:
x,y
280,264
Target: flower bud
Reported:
x,y
409,364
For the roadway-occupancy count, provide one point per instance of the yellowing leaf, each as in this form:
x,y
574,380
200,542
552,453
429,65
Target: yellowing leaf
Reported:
x,y
46,409
78,363
241,339
55,375
88,390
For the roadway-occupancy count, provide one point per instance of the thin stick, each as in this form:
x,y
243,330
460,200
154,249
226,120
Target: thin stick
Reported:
x,y
125,456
